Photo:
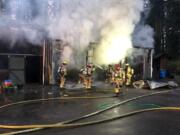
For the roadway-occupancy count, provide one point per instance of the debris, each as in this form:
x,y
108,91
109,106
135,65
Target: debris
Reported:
x,y
140,84
172,84
154,84
158,84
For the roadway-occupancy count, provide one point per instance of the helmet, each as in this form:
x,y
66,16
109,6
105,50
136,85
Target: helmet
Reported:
x,y
64,62
117,66
89,65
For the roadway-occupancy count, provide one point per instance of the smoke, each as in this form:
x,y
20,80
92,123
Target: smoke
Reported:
x,y
21,20
143,36
111,23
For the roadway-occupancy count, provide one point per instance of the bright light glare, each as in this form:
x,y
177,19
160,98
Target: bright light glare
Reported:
x,y
113,50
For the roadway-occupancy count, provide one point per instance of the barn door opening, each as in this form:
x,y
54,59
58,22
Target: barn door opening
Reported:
x,y
33,69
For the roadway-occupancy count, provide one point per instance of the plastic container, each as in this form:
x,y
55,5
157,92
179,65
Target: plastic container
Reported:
x,y
163,74
8,83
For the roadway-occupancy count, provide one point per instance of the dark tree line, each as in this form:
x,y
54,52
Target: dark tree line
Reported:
x,y
165,19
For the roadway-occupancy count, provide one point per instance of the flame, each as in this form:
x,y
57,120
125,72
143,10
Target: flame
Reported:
x,y
113,49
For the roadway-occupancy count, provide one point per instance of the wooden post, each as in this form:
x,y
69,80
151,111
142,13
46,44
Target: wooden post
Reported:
x,y
44,55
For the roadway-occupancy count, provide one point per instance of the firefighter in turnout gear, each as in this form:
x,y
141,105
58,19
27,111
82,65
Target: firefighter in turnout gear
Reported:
x,y
88,76
109,74
129,74
118,79
81,76
62,71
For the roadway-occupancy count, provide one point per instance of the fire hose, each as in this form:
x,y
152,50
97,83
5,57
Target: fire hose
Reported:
x,y
66,124
57,98
92,122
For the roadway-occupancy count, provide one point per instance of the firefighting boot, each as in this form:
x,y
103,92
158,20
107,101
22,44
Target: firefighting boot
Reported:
x,y
117,91
128,82
89,86
65,95
89,83
85,83
79,82
61,85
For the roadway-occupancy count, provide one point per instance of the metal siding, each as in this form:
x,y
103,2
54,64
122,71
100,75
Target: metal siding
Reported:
x,y
16,68
16,63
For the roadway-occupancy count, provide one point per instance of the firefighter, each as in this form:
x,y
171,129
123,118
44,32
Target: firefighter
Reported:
x,y
129,75
81,76
109,74
88,76
118,79
62,70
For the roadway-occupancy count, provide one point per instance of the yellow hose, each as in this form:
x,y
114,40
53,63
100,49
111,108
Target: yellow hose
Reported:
x,y
88,123
79,118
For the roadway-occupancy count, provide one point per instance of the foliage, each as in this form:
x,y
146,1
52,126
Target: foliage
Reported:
x,y
164,18
174,66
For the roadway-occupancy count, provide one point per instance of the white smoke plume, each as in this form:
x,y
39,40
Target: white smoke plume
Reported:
x,y
111,23
143,36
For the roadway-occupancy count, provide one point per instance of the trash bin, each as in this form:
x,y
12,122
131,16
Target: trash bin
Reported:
x,y
163,74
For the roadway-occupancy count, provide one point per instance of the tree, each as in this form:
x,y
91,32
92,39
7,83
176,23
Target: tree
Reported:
x,y
164,18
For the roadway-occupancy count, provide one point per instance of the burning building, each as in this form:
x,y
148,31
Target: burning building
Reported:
x,y
20,58
63,30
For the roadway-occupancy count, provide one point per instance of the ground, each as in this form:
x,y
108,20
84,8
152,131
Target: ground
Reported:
x,y
57,110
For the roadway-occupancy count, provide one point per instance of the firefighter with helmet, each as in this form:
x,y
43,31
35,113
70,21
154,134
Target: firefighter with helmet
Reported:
x,y
118,79
81,76
109,74
129,74
62,71
88,76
